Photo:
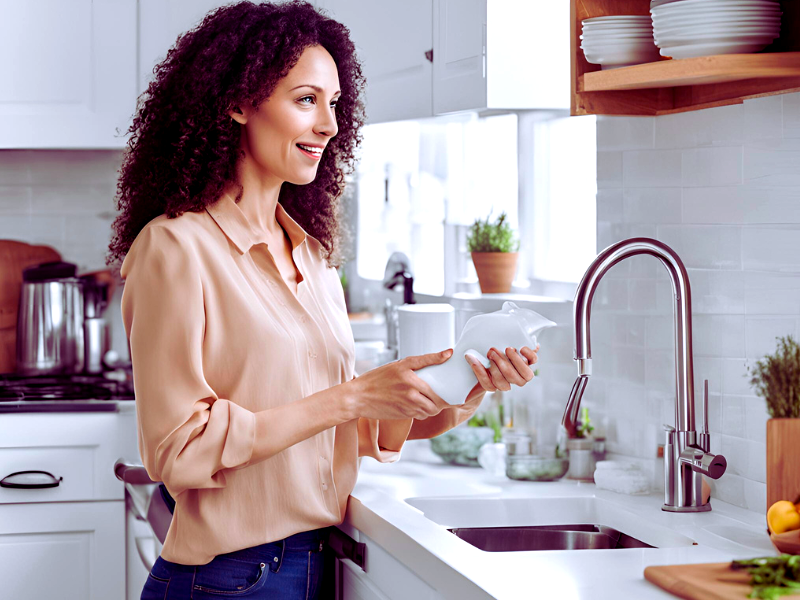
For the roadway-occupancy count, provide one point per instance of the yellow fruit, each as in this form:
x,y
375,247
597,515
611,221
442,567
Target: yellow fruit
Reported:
x,y
783,516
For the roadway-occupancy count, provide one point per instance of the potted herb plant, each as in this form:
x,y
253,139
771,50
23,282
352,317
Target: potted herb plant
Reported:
x,y
494,253
776,378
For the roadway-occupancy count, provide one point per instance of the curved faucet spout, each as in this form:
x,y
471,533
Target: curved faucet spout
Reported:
x,y
684,375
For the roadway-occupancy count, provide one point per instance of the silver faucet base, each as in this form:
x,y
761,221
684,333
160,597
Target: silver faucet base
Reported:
x,y
687,509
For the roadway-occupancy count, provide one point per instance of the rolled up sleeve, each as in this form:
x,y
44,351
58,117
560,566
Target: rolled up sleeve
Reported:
x,y
188,435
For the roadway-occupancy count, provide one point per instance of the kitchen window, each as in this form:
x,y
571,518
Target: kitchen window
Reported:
x,y
421,184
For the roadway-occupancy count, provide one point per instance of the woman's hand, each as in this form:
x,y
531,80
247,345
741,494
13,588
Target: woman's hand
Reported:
x,y
505,369
394,391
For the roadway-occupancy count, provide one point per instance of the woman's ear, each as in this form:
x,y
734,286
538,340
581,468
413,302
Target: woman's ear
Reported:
x,y
237,115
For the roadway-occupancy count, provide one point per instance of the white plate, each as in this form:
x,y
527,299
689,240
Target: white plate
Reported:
x,y
709,39
617,20
690,5
651,47
625,57
708,36
710,49
716,28
716,22
611,36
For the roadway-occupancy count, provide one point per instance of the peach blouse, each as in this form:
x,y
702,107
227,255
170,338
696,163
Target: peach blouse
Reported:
x,y
216,335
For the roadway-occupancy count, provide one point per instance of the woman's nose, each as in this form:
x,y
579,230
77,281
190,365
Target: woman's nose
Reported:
x,y
326,122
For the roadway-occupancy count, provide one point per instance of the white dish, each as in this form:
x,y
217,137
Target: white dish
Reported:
x,y
625,56
715,29
642,47
690,5
756,39
617,36
616,18
710,49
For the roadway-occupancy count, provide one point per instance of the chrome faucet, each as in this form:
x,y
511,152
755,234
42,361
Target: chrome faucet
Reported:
x,y
687,454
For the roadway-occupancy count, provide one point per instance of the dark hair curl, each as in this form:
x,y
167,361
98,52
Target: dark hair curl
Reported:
x,y
185,146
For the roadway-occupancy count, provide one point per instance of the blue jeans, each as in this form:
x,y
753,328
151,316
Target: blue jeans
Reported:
x,y
289,569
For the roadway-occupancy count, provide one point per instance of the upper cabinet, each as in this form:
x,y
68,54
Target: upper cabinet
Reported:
x,y
433,57
678,85
69,77
500,54
394,41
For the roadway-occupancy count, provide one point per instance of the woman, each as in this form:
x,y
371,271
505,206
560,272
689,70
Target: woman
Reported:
x,y
248,407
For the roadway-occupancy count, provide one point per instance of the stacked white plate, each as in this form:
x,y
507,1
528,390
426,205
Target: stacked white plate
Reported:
x,y
618,41
689,28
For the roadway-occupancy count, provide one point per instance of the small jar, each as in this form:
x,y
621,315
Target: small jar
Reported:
x,y
581,459
517,443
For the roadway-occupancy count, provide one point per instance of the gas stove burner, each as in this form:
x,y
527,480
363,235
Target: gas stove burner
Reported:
x,y
14,388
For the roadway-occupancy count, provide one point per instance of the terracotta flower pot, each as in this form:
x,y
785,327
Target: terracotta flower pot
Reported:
x,y
783,460
495,270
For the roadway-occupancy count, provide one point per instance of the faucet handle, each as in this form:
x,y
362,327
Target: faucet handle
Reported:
x,y
704,438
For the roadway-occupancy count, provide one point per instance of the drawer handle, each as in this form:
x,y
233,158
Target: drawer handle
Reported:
x,y
28,480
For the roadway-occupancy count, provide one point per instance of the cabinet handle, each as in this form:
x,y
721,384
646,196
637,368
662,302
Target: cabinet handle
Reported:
x,y
343,546
29,480
429,55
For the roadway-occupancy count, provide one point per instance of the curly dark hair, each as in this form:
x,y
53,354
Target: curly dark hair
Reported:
x,y
185,147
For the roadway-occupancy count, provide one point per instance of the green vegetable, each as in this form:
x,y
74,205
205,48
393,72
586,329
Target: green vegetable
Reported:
x,y
772,576
492,237
776,378
585,428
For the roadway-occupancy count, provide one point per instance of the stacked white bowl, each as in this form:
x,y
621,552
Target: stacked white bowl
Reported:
x,y
618,41
689,28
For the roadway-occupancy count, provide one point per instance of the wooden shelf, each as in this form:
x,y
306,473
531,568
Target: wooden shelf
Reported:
x,y
722,68
670,86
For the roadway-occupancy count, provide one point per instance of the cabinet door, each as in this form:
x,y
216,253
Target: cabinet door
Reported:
x,y
69,73
459,64
64,550
161,22
392,39
354,583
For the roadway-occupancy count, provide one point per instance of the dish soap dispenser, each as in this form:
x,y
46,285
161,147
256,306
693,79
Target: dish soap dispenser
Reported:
x,y
511,326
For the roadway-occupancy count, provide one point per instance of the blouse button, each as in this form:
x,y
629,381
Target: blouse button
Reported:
x,y
312,354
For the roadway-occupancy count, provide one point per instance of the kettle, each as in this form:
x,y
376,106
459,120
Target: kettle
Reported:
x,y
50,334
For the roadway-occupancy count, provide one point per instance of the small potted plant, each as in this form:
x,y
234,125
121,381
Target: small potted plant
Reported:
x,y
494,253
776,378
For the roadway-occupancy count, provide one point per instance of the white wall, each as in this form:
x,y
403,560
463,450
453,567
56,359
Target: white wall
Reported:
x,y
721,186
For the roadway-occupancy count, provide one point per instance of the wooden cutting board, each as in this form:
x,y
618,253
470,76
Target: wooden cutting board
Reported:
x,y
709,581
14,258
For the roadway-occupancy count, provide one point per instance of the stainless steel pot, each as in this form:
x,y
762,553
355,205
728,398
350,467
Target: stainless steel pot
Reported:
x,y
50,335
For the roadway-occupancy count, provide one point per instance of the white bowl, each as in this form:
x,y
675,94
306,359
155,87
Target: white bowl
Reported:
x,y
625,56
644,47
712,48
748,40
691,5
617,36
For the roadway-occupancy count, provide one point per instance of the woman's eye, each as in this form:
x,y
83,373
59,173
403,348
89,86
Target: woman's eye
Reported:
x,y
306,98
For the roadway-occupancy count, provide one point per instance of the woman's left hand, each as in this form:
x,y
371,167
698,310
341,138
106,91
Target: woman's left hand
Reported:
x,y
505,368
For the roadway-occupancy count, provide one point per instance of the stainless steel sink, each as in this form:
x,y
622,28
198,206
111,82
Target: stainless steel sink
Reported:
x,y
547,537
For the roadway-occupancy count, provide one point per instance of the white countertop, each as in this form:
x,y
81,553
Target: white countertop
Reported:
x,y
457,569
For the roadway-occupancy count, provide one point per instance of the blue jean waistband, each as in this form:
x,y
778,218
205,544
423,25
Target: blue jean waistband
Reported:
x,y
303,541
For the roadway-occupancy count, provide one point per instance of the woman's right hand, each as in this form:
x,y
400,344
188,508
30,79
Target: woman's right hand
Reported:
x,y
394,391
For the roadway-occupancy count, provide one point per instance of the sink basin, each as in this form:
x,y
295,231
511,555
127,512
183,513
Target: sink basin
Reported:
x,y
547,537
507,524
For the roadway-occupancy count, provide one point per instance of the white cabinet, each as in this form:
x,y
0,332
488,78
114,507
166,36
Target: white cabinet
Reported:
x,y
69,73
394,41
160,24
500,54
383,578
67,541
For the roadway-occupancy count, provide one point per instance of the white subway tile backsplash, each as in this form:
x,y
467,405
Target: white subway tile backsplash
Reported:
x,y
771,293
765,205
609,169
16,227
756,417
791,115
642,295
762,334
69,167
609,205
717,292
714,205
704,247
660,370
714,126
755,496
715,166
775,249
735,378
652,205
625,133
772,162
721,336
96,199
651,168
15,167
733,418
763,118
15,200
